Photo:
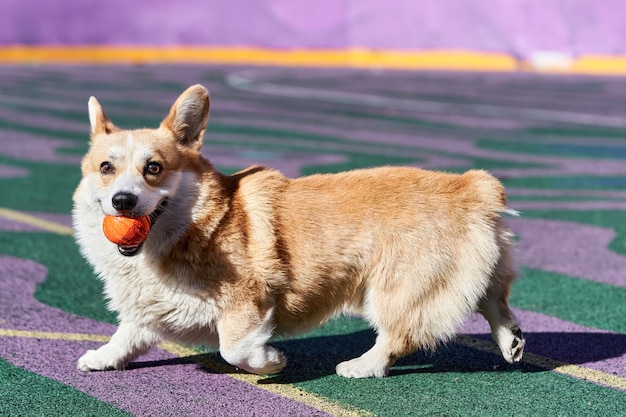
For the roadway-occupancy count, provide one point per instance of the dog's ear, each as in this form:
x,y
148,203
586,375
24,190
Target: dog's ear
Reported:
x,y
99,121
189,115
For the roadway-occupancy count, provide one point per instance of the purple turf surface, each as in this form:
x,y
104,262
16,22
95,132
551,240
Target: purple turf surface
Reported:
x,y
159,381
157,384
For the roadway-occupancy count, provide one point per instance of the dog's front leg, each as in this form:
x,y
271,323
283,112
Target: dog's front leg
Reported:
x,y
128,342
243,335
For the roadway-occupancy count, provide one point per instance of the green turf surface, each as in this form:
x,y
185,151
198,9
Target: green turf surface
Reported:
x,y
66,269
587,303
456,380
590,304
446,385
23,393
33,192
610,219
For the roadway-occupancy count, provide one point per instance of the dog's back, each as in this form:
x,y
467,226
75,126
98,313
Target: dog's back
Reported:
x,y
400,229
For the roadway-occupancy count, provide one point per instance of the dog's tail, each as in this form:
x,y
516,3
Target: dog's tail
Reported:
x,y
490,192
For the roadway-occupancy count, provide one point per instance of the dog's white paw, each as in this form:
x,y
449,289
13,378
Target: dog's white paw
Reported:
x,y
511,342
275,363
96,360
515,350
265,360
362,368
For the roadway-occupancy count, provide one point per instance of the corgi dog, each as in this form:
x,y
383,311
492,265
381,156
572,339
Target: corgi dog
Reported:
x,y
233,260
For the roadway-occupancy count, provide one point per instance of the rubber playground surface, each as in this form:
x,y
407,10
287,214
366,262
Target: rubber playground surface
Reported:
x,y
558,143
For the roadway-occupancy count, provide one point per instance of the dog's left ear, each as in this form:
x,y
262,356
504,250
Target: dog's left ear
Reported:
x,y
99,121
189,115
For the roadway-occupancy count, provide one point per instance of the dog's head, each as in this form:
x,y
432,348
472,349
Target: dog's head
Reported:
x,y
135,172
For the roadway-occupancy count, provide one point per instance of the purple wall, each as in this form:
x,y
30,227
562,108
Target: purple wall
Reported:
x,y
516,27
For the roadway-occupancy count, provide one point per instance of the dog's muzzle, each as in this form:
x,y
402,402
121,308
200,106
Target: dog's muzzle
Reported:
x,y
134,250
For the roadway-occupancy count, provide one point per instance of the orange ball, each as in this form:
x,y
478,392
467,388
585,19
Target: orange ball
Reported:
x,y
126,231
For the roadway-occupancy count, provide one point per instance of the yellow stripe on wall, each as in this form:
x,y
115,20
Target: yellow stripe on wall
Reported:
x,y
599,64
354,57
460,60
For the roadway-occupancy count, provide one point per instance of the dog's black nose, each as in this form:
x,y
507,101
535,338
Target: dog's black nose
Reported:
x,y
124,201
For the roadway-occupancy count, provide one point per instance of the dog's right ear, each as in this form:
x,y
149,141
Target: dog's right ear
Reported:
x,y
99,121
188,116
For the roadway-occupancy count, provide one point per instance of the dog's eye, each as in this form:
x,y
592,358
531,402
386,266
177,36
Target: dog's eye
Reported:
x,y
153,168
106,168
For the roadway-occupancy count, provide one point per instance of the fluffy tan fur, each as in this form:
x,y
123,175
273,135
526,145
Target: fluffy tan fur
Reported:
x,y
234,260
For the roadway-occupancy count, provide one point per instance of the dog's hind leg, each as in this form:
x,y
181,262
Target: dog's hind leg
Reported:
x,y
128,342
494,306
505,328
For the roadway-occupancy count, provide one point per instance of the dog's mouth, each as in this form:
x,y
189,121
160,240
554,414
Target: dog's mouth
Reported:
x,y
129,250
134,250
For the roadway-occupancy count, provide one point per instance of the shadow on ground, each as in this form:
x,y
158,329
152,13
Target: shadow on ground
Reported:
x,y
316,357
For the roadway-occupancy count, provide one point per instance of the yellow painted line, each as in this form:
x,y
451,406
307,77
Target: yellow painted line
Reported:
x,y
284,390
564,368
576,371
81,337
289,391
47,225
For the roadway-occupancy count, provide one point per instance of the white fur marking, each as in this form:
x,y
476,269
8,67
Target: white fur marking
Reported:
x,y
143,153
93,112
116,154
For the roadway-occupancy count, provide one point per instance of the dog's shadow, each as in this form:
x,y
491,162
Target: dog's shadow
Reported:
x,y
316,357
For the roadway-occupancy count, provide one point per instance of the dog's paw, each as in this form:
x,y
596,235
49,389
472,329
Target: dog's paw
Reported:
x,y
273,361
276,362
95,360
264,361
512,346
362,368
